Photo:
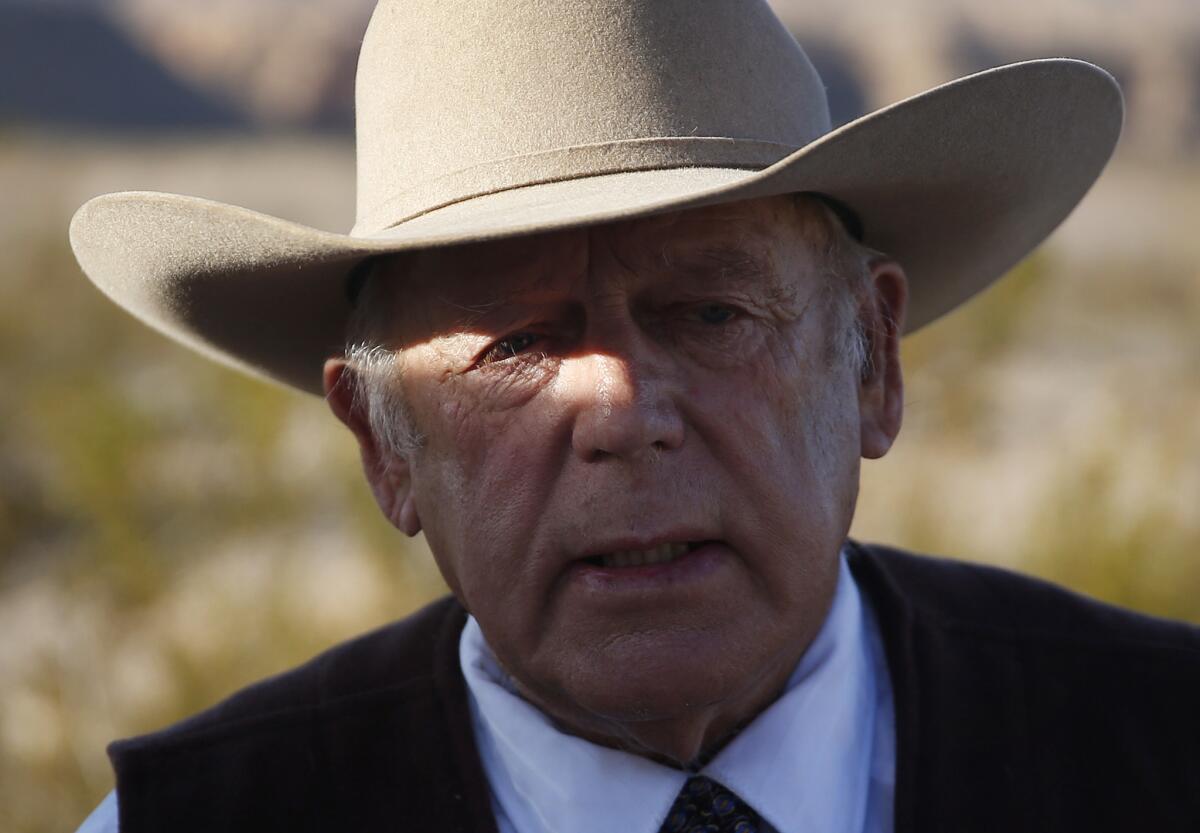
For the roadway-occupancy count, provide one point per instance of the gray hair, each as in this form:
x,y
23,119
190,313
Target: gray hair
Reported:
x,y
846,263
376,364
844,260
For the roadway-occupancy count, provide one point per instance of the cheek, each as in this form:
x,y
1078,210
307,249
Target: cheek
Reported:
x,y
816,398
782,397
481,487
789,430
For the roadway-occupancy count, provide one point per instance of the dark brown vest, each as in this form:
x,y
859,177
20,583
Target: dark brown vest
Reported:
x,y
1019,707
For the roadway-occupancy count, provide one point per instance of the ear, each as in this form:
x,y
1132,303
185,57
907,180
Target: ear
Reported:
x,y
387,472
881,384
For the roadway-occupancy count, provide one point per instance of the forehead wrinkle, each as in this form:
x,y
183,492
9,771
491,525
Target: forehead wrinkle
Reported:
x,y
475,293
682,249
732,261
732,265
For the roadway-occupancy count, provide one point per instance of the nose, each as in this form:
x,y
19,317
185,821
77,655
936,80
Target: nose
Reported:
x,y
625,404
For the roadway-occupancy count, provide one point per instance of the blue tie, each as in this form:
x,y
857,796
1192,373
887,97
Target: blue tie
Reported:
x,y
704,806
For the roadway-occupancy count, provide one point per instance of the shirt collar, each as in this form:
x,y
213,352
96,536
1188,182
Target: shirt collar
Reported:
x,y
802,764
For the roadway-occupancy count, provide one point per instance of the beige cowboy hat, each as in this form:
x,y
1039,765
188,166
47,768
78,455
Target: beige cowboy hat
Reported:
x,y
481,120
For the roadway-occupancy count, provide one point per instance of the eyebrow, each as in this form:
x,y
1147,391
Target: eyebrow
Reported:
x,y
499,303
728,263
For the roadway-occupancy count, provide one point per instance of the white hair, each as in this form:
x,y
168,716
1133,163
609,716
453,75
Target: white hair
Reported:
x,y
844,260
375,365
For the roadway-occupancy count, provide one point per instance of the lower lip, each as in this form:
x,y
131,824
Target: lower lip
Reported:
x,y
692,566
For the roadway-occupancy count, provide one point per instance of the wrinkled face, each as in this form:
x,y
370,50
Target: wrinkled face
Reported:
x,y
640,458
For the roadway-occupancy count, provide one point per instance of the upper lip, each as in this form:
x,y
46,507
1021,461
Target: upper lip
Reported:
x,y
627,543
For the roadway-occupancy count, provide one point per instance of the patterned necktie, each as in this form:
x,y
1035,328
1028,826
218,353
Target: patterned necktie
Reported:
x,y
704,806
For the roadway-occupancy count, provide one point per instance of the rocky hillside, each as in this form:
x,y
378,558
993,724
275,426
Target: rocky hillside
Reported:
x,y
290,63
75,65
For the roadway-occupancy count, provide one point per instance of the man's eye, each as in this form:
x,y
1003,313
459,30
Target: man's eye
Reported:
x,y
716,314
508,347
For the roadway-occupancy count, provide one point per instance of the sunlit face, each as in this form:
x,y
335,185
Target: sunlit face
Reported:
x,y
640,458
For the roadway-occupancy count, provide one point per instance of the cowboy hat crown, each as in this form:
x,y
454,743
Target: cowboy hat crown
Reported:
x,y
461,98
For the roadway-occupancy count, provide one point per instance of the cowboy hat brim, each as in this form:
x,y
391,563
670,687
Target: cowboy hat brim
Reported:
x,y
958,184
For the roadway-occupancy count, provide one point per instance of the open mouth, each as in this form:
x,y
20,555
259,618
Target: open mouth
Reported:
x,y
662,554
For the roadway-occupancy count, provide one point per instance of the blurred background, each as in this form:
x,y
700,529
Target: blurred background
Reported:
x,y
170,531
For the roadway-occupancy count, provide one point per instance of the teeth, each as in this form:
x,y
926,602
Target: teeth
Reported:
x,y
641,558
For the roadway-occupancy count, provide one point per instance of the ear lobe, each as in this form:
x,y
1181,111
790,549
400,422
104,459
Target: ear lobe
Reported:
x,y
392,487
407,520
387,473
881,383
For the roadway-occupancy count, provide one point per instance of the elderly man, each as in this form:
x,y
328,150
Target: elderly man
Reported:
x,y
614,330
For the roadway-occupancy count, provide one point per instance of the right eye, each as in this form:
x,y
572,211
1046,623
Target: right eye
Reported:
x,y
509,347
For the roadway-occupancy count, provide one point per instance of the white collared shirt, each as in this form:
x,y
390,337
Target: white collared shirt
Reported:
x,y
820,759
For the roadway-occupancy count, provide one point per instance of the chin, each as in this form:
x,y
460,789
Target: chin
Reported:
x,y
675,714
662,681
